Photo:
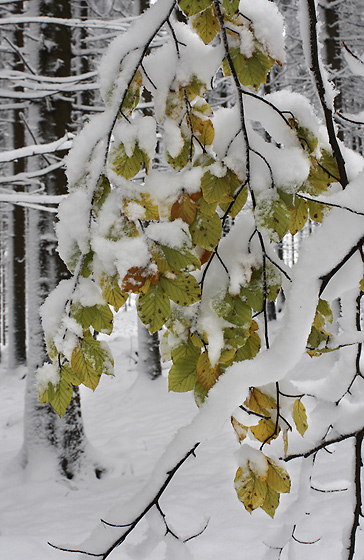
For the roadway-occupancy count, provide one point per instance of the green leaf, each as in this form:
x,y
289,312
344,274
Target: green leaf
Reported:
x,y
86,268
231,7
240,315
299,215
324,308
191,7
250,71
239,203
323,172
273,216
102,191
179,259
271,502
216,189
250,348
205,207
153,308
111,291
100,317
127,166
278,477
59,396
300,417
90,359
317,211
183,290
200,394
183,375
183,157
186,350
206,231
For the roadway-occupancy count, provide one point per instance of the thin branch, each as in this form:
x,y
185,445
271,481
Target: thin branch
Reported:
x,y
322,445
302,542
358,499
327,277
152,503
330,204
197,534
319,83
75,550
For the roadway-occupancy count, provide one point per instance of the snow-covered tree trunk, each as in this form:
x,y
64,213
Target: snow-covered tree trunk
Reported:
x,y
149,357
16,241
44,432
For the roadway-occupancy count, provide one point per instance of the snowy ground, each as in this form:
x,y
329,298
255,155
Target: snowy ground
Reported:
x,y
129,421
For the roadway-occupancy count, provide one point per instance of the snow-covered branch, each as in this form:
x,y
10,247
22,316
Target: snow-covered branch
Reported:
x,y
63,144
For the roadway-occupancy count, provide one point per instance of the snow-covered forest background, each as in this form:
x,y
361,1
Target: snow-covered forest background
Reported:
x,y
59,477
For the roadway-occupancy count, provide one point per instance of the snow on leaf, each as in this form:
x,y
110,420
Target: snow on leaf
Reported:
x,y
127,166
90,359
111,291
59,396
251,490
179,259
300,417
240,430
180,161
250,71
100,317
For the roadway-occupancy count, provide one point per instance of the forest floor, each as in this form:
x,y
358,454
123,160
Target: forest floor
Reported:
x,y
129,421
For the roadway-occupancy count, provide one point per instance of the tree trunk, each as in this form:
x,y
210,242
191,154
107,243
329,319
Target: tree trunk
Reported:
x,y
62,441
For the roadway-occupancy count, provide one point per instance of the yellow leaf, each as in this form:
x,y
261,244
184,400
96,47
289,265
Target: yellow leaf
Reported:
x,y
271,502
240,430
207,133
250,489
300,417
278,477
264,400
207,375
299,216
265,431
206,25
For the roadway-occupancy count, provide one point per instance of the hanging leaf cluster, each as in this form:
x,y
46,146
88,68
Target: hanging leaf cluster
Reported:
x,y
160,193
